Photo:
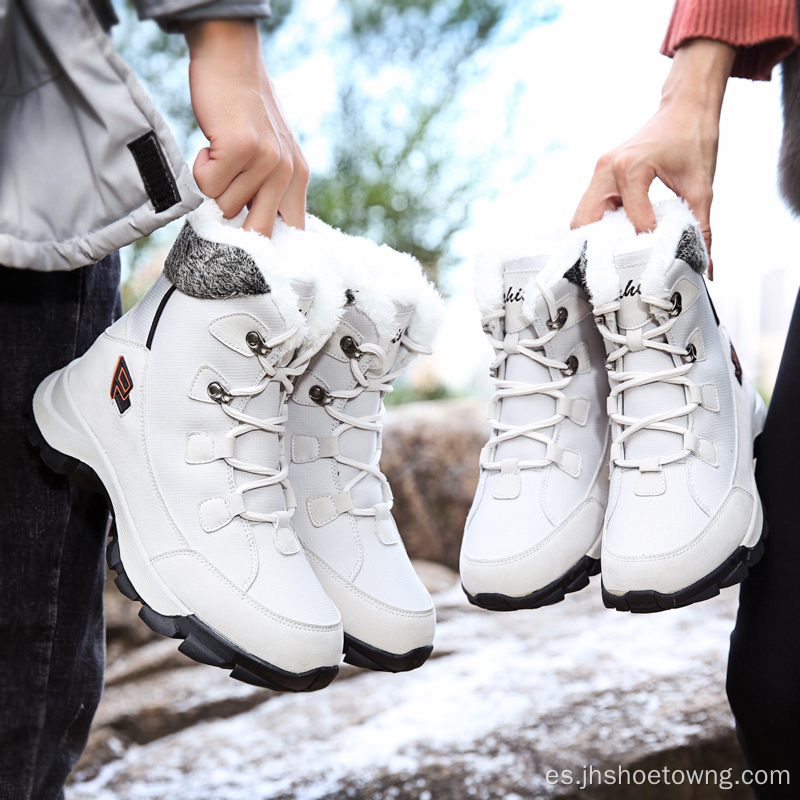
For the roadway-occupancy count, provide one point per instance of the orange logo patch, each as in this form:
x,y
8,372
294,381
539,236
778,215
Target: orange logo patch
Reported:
x,y
121,386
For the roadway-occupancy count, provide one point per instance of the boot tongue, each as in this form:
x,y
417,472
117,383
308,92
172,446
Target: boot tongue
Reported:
x,y
257,446
514,282
653,398
633,313
520,410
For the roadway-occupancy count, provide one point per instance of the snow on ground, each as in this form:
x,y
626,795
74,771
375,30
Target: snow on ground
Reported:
x,y
509,697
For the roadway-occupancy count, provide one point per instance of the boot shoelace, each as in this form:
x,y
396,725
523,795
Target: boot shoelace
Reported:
x,y
635,341
511,344
367,422
270,477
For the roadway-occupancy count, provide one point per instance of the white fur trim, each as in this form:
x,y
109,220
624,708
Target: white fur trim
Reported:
x,y
303,251
297,257
379,277
615,235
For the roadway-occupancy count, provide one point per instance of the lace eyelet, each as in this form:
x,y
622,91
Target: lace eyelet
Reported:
x,y
677,304
691,354
558,323
218,393
350,348
571,368
256,342
599,320
609,366
319,396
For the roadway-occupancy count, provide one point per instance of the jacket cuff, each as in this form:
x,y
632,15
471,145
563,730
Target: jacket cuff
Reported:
x,y
763,31
170,13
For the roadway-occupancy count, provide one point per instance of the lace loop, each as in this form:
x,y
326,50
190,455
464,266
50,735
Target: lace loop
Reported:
x,y
533,349
273,425
653,339
365,382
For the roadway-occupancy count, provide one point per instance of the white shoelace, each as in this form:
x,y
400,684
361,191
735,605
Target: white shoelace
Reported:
x,y
511,344
275,425
368,422
635,341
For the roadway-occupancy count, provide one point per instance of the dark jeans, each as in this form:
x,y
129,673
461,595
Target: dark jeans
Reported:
x,y
52,534
764,663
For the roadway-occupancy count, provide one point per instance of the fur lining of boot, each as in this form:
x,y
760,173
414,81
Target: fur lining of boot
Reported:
x,y
378,279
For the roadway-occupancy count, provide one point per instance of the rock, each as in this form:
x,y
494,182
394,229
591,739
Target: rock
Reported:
x,y
430,456
510,697
436,577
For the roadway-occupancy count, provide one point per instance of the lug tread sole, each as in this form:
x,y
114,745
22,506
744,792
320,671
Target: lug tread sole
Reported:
x,y
575,579
733,570
200,642
361,654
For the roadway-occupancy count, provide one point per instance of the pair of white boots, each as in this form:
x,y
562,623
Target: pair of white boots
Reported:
x,y
613,328
233,420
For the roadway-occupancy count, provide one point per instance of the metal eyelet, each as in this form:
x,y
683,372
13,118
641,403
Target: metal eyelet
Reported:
x,y
572,366
257,343
609,366
218,393
319,396
691,354
558,322
677,304
350,348
599,320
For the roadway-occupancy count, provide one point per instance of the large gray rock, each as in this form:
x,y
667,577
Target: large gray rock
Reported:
x,y
430,456
510,697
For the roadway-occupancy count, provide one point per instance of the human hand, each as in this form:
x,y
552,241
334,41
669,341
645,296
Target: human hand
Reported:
x,y
253,158
678,145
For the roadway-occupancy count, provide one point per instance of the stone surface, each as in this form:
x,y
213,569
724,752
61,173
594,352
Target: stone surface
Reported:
x,y
510,697
430,456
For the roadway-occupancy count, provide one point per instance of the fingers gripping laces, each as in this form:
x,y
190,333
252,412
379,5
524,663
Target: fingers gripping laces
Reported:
x,y
269,477
533,349
368,422
665,313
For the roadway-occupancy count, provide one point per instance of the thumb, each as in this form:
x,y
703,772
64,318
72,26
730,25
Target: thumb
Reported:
x,y
213,174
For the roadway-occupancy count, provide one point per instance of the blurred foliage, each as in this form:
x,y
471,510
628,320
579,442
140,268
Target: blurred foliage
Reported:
x,y
391,175
401,67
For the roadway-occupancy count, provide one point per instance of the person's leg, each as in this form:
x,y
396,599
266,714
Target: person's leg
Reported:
x,y
764,664
52,534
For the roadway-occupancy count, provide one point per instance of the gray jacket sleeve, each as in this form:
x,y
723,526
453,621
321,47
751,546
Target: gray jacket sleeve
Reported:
x,y
169,13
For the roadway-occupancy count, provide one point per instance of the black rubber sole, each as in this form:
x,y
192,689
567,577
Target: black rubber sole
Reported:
x,y
200,642
361,654
732,571
575,579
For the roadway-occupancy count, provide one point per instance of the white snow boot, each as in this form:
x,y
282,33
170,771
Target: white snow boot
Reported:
x,y
176,414
533,533
684,518
390,313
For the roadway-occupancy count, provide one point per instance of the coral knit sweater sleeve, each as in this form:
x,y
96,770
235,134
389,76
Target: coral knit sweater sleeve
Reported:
x,y
763,31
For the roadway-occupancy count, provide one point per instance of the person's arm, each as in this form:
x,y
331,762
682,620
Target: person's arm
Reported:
x,y
710,41
253,158
678,145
